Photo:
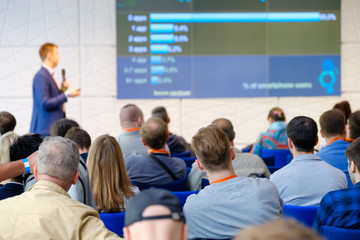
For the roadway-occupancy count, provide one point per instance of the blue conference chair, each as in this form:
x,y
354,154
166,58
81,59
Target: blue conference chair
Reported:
x,y
183,195
282,156
334,233
204,182
179,185
189,161
303,214
181,155
114,222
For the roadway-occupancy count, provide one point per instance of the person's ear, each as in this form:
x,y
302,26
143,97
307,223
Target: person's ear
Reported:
x,y
290,143
199,164
232,153
143,142
168,120
126,233
352,166
36,172
75,177
140,121
184,232
317,140
322,133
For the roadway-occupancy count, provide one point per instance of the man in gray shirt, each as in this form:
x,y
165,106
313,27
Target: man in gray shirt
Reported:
x,y
245,164
131,119
307,178
230,202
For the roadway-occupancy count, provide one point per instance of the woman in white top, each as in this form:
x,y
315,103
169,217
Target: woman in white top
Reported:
x,y
110,182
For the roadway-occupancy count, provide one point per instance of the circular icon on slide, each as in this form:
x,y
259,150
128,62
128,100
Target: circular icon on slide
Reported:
x,y
331,71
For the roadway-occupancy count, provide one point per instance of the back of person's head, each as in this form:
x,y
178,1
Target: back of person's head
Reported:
x,y
283,229
59,158
154,133
344,107
354,122
6,141
353,153
45,49
108,176
332,123
7,122
276,114
225,125
60,127
212,148
303,133
24,146
160,112
80,137
155,214
130,115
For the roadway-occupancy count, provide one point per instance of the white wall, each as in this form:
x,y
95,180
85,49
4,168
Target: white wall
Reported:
x,y
86,34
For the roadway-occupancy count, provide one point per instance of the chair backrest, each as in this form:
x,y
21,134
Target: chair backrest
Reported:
x,y
188,160
282,156
334,233
303,214
183,195
183,154
114,222
179,185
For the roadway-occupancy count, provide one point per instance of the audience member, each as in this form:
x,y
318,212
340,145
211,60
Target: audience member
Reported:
x,y
307,178
60,127
177,144
230,202
244,164
342,208
13,169
21,148
46,211
82,140
6,141
283,229
131,119
155,214
7,122
275,137
333,130
354,127
81,191
157,167
344,107
111,184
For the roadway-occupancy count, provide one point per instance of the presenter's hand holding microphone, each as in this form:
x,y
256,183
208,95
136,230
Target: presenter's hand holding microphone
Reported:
x,y
74,92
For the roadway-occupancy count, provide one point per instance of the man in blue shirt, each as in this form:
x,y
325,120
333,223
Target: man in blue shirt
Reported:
x,y
332,125
342,208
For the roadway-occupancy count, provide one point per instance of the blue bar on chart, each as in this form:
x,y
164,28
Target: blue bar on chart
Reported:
x,y
154,80
159,48
162,38
157,69
156,59
161,28
235,17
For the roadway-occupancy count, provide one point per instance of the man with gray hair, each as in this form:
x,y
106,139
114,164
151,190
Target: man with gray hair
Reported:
x,y
46,211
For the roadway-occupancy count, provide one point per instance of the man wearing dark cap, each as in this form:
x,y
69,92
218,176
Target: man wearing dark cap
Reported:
x,y
155,214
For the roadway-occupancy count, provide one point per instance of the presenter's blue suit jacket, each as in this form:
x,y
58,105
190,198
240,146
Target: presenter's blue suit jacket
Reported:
x,y
48,101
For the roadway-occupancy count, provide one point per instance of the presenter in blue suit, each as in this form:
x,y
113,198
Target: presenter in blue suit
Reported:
x,y
49,98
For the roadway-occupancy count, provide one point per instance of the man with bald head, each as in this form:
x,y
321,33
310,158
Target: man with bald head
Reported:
x,y
131,119
156,167
245,164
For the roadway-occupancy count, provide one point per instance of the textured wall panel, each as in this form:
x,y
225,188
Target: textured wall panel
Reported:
x,y
34,22
350,21
98,26
350,67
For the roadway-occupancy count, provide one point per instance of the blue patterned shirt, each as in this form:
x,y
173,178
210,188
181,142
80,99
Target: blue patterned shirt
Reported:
x,y
339,209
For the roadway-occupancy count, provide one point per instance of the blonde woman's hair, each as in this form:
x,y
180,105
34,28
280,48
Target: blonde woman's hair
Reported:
x,y
108,176
6,141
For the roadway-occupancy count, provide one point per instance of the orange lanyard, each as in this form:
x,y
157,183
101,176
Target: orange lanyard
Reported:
x,y
333,140
349,139
223,179
158,151
131,129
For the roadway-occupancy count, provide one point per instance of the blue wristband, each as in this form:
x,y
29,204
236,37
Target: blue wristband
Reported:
x,y
26,165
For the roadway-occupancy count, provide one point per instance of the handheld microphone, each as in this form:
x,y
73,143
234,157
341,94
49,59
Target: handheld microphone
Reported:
x,y
63,89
